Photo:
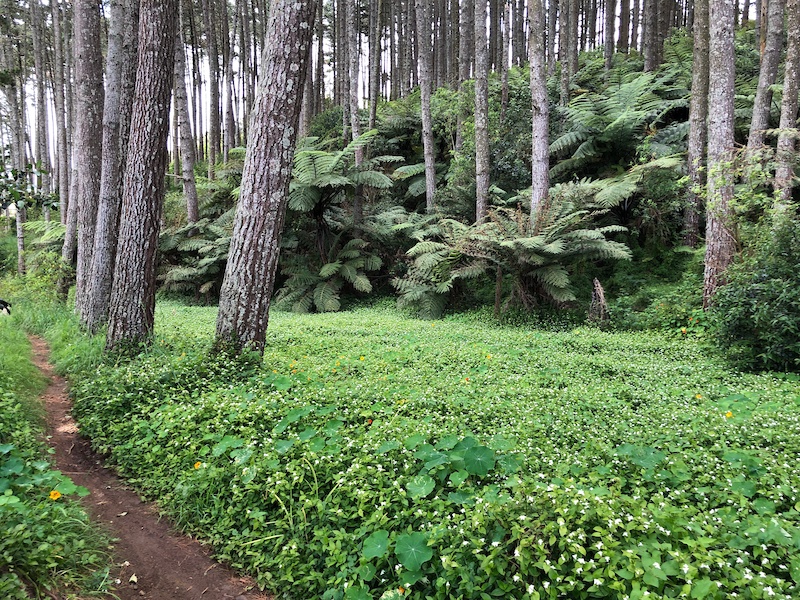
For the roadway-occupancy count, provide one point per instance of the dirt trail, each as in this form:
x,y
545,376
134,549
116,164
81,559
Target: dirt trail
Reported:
x,y
166,564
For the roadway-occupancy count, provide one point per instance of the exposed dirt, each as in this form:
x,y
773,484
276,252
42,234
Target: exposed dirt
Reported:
x,y
154,562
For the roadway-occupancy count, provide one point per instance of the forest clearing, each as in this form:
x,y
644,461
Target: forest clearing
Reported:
x,y
421,299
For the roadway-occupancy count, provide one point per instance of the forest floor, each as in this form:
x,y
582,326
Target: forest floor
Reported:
x,y
153,561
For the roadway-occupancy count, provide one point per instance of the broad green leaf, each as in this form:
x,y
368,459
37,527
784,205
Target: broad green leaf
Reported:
x,y
458,478
387,446
282,446
412,550
358,593
226,443
376,545
461,498
702,588
414,441
420,486
479,460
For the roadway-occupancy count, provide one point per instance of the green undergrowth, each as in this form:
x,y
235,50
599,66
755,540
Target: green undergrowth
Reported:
x,y
372,455
48,547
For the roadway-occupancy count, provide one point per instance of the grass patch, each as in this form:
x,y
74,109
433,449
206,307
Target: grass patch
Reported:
x,y
374,456
47,544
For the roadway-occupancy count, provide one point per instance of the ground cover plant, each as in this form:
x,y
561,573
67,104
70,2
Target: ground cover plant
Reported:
x,y
48,547
374,456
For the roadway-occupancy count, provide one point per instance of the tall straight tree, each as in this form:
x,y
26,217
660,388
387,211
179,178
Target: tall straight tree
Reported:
x,y
59,89
188,157
120,82
698,127
481,113
540,183
766,76
253,258
89,99
786,153
423,10
720,233
134,290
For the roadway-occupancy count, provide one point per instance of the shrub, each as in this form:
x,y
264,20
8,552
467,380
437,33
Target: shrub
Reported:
x,y
758,311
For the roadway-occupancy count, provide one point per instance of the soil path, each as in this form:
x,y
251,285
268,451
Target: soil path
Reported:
x,y
166,564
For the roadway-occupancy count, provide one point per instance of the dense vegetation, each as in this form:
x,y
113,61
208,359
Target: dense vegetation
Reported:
x,y
368,458
46,541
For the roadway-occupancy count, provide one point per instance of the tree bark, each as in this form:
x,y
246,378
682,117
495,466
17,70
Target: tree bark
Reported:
x,y
89,98
540,181
375,72
133,294
62,150
255,245
766,77
624,26
720,234
185,126
120,85
608,41
209,23
698,128
481,114
787,139
42,131
422,12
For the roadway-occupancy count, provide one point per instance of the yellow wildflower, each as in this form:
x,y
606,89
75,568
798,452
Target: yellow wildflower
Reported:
x,y
55,495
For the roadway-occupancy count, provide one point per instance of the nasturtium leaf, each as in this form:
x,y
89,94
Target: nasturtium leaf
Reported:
x,y
316,444
282,446
794,570
66,487
226,443
510,463
420,486
702,588
296,414
458,478
366,572
745,488
387,446
359,592
332,426
6,448
465,444
412,550
248,474
501,443
241,456
644,456
764,506
447,442
414,441
13,466
425,451
436,460
307,434
376,545
479,460
282,383
461,498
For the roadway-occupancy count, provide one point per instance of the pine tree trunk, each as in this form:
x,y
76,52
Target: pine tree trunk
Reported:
x,y
720,234
553,9
255,245
422,12
209,20
465,53
120,85
481,114
540,182
185,128
42,130
89,98
698,131
608,32
133,294
786,152
766,77
62,150
623,43
375,28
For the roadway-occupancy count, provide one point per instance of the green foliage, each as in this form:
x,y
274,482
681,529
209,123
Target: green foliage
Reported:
x,y
373,452
194,256
47,543
757,313
306,289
